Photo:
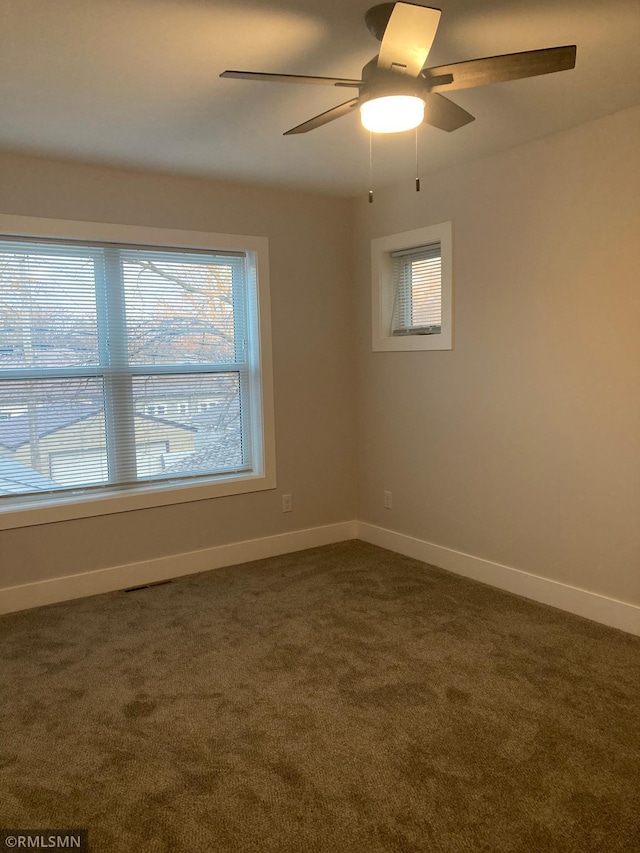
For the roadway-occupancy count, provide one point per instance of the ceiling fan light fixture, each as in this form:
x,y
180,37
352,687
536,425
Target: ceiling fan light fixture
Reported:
x,y
392,113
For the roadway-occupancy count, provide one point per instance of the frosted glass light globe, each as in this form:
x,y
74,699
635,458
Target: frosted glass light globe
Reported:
x,y
392,113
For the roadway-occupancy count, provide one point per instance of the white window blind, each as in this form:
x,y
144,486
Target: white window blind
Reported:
x,y
122,365
417,277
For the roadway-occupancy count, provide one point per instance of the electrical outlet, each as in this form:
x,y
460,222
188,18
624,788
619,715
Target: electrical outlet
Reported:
x,y
287,503
388,500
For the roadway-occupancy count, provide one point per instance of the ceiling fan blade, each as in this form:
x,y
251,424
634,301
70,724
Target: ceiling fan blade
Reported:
x,y
408,38
324,118
442,113
291,78
499,69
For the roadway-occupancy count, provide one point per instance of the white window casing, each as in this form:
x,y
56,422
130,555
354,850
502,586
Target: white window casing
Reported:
x,y
412,290
135,368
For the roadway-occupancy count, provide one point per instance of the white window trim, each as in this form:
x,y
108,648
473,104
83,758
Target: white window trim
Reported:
x,y
147,495
383,295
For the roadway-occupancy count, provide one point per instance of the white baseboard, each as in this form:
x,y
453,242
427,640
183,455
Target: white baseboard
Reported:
x,y
135,574
591,605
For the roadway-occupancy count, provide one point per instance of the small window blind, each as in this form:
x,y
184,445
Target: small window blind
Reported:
x,y
121,365
417,275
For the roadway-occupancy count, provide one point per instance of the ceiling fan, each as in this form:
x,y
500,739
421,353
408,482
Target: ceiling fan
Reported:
x,y
397,93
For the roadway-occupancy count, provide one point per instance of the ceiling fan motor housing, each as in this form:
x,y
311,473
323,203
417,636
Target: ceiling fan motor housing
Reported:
x,y
379,83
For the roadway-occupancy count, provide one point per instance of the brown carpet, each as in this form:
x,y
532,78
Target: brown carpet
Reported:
x,y
339,699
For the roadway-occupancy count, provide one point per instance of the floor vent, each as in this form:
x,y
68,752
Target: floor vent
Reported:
x,y
146,586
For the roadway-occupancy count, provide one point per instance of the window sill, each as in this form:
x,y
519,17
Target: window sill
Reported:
x,y
27,513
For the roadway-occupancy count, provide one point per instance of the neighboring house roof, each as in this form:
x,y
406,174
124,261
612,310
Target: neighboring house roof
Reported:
x,y
16,479
213,457
207,420
15,432
156,420
222,449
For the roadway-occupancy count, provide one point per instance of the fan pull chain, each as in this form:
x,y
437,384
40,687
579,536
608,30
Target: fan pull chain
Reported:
x,y
370,167
417,168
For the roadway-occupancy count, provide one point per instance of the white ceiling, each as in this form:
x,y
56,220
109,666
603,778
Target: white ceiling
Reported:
x,y
135,82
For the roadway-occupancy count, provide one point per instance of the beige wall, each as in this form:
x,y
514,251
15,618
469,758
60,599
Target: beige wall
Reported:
x,y
310,252
522,445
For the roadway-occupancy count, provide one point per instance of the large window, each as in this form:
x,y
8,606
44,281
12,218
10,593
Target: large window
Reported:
x,y
124,367
412,289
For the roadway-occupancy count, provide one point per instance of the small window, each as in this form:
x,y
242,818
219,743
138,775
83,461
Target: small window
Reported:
x,y
417,280
412,284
